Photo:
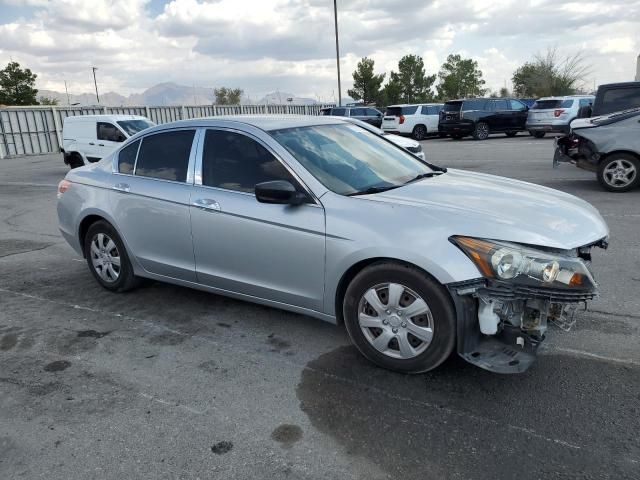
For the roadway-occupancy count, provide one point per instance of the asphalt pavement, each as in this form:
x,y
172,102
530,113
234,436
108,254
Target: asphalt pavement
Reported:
x,y
167,382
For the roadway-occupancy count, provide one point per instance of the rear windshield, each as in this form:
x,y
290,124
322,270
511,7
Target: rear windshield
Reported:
x,y
134,126
397,111
452,106
550,104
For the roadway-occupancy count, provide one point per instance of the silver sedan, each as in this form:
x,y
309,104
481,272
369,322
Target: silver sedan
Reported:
x,y
321,217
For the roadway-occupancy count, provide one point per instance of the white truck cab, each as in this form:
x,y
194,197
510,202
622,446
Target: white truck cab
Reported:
x,y
88,138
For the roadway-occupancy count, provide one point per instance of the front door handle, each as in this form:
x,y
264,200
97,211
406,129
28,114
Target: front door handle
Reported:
x,y
207,204
122,187
91,143
101,144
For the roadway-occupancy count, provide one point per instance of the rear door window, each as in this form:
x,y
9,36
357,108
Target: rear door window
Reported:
x,y
340,112
475,104
372,112
500,105
165,155
127,158
359,112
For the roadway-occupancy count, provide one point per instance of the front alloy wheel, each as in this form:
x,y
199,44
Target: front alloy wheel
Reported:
x,y
399,317
619,173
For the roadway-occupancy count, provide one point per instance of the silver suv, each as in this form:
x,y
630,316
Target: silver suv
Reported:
x,y
554,114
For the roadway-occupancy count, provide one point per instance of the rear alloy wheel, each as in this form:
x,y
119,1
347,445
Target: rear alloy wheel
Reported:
x,y
537,134
511,134
619,172
481,132
400,318
419,132
108,259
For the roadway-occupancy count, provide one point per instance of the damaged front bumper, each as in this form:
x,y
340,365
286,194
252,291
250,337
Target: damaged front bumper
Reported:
x,y
501,324
576,150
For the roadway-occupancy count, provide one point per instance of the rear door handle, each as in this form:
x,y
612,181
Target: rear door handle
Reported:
x,y
91,143
122,187
101,144
207,204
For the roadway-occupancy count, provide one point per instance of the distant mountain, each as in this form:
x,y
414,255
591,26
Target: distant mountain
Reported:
x,y
282,98
167,94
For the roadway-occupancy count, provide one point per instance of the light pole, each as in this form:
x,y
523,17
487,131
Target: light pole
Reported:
x,y
95,83
335,18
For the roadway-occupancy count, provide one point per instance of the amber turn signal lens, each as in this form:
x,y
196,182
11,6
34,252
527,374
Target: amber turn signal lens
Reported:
x,y
63,186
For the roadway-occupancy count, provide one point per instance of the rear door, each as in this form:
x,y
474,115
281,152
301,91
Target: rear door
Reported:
x,y
151,202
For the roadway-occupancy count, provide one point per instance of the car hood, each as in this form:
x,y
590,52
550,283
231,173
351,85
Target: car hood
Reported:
x,y
487,206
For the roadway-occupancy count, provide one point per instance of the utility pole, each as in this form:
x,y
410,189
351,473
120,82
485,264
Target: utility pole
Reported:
x,y
335,17
95,83
67,92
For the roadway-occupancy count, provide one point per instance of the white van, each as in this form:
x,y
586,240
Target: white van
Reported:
x,y
417,120
88,138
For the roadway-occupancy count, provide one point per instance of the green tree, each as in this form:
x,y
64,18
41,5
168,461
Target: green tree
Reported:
x,y
227,96
414,83
504,92
550,74
48,101
460,77
391,93
17,85
366,84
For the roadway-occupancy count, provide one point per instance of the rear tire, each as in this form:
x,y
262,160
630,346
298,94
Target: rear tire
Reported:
x,y
481,131
619,172
419,132
537,134
417,335
108,259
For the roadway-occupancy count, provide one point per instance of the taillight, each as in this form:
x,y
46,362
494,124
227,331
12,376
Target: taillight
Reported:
x,y
63,186
401,119
558,112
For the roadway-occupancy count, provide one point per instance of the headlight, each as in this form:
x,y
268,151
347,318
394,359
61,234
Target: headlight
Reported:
x,y
516,263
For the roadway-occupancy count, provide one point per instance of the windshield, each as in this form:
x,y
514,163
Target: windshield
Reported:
x,y
348,159
131,127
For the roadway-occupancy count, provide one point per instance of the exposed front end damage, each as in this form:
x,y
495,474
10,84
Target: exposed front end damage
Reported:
x,y
501,324
577,150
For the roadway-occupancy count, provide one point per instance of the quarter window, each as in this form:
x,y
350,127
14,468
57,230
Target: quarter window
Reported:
x,y
127,158
109,132
165,155
236,162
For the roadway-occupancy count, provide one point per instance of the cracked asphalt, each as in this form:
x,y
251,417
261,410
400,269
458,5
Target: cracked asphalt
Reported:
x,y
167,382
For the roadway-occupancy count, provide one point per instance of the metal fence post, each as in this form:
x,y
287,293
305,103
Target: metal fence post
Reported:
x,y
182,114
56,125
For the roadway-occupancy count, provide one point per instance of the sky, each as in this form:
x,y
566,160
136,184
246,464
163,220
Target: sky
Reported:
x,y
288,45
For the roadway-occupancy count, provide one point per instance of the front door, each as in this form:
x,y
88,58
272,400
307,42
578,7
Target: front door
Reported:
x,y
274,252
109,137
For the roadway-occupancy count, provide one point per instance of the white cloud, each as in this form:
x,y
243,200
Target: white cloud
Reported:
x,y
263,45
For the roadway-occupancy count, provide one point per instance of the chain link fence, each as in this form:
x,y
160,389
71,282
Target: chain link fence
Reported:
x,y
37,130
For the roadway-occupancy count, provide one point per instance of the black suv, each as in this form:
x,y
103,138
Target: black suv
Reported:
x,y
480,117
366,114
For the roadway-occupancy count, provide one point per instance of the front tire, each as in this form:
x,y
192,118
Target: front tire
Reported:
x,y
400,318
481,131
619,172
419,132
107,258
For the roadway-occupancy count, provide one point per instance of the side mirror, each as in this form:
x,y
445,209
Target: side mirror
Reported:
x,y
279,192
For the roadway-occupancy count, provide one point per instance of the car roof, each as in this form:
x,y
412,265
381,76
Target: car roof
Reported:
x,y
415,104
263,122
79,118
